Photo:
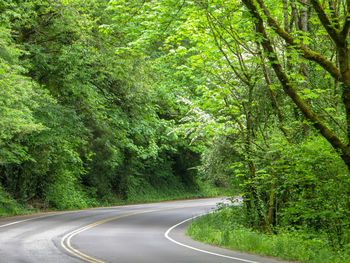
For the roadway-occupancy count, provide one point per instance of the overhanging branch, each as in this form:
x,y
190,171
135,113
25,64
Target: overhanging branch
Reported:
x,y
289,89
326,22
305,52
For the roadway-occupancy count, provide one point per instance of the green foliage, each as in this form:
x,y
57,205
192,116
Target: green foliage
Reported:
x,y
217,162
9,206
224,228
219,82
19,97
66,193
125,101
316,186
81,122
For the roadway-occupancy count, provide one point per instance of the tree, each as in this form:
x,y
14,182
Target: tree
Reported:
x,y
337,29
80,116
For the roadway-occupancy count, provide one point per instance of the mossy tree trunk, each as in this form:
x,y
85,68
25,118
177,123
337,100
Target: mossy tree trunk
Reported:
x,y
338,34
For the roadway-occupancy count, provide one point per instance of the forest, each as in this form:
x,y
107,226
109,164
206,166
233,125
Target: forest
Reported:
x,y
104,102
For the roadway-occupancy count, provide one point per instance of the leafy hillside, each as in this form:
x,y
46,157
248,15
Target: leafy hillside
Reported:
x,y
81,125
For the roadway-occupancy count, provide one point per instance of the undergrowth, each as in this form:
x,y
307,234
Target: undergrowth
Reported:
x,y
71,198
218,229
9,207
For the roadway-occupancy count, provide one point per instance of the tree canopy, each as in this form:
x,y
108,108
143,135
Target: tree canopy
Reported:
x,y
127,100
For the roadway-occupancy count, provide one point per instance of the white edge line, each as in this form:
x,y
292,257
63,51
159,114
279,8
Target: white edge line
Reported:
x,y
29,219
17,222
166,235
48,215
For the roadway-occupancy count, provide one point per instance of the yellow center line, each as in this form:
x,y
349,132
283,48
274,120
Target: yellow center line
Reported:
x,y
66,240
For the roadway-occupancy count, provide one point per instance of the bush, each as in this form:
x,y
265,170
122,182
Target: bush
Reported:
x,y
9,207
66,193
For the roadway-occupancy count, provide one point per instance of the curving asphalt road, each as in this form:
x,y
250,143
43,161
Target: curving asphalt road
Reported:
x,y
147,233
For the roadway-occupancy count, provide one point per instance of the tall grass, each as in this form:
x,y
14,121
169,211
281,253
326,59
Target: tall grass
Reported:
x,y
289,245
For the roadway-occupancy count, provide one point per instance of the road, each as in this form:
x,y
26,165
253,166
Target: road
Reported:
x,y
147,233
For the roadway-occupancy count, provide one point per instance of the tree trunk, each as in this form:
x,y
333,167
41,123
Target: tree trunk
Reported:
x,y
274,100
295,15
290,90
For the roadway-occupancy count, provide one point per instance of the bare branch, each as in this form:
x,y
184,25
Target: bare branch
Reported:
x,y
234,69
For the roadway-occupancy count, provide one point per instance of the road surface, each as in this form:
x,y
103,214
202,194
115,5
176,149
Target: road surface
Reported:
x,y
147,233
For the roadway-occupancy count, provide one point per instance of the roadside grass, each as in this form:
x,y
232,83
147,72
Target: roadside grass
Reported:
x,y
287,245
10,207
